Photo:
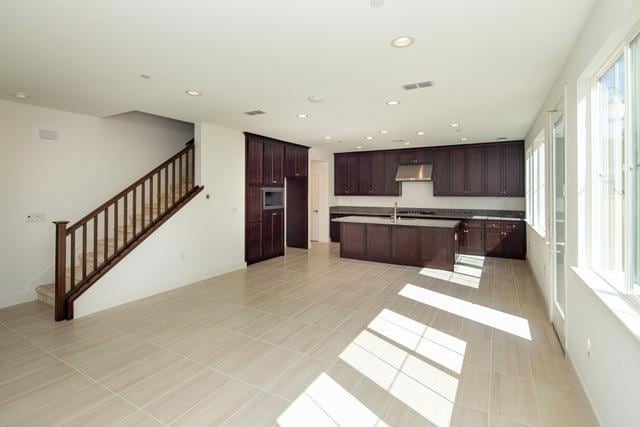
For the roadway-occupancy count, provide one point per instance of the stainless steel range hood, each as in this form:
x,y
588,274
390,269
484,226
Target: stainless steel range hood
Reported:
x,y
411,173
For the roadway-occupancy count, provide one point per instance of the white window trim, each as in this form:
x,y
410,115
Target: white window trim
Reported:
x,y
593,132
532,202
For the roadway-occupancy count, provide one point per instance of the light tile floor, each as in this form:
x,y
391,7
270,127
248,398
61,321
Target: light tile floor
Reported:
x,y
306,339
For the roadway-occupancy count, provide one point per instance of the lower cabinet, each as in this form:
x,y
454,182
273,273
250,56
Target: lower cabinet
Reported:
x,y
353,240
253,241
379,243
272,233
472,237
407,245
505,239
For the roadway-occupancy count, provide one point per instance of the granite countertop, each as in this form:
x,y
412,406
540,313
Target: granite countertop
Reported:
x,y
414,222
477,214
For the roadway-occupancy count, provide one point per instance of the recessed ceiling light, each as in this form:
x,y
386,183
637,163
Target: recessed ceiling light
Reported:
x,y
193,92
402,41
454,125
407,143
384,132
369,138
393,102
316,98
145,76
464,139
20,95
302,116
359,147
327,137
420,132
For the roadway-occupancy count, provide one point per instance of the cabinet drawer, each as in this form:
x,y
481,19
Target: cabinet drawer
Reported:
x,y
474,224
493,225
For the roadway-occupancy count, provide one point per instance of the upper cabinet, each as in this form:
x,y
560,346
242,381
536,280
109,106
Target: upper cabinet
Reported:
x,y
465,170
273,164
366,174
254,154
295,161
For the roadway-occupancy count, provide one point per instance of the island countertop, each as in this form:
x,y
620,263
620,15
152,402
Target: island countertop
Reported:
x,y
413,222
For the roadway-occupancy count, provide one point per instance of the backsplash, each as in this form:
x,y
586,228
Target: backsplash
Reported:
x,y
420,195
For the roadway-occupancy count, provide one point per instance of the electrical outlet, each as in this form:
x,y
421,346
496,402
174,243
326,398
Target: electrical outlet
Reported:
x,y
589,348
35,218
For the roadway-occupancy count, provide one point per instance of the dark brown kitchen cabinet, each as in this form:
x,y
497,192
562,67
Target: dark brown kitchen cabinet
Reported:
x,y
254,154
296,161
504,169
371,174
267,163
273,233
471,237
441,173
514,170
364,174
347,174
273,164
474,171
415,156
439,247
379,243
457,172
505,239
391,163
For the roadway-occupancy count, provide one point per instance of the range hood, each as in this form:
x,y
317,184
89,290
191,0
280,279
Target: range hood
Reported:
x,y
411,173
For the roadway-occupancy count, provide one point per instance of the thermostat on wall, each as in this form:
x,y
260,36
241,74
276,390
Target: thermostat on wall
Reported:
x,y
48,134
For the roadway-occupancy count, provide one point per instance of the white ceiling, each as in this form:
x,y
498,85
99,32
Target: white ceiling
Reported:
x,y
492,61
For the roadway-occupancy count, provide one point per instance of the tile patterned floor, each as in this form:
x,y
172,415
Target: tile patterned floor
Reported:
x,y
306,339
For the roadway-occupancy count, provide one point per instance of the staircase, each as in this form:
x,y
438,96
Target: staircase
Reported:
x,y
88,249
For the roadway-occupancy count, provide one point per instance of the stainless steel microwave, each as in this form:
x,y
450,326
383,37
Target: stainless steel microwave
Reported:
x,y
272,198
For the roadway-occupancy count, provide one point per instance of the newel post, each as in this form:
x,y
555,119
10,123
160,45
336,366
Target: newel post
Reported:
x,y
61,270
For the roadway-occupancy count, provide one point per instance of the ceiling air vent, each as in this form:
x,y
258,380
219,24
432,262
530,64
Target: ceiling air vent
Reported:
x,y
255,113
419,85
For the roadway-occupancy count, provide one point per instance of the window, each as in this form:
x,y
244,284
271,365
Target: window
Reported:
x,y
608,177
535,193
615,175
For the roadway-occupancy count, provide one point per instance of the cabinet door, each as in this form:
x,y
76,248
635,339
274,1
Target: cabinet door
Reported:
x,y
253,239
475,171
457,170
378,178
424,156
391,162
353,174
472,240
406,245
437,247
364,174
254,161
341,168
273,163
494,170
441,172
493,237
273,233
379,242
302,162
514,241
254,203
408,157
513,170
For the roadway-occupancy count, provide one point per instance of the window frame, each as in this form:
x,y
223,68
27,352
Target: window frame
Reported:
x,y
536,195
627,290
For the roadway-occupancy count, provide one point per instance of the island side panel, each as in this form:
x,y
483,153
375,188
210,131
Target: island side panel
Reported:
x,y
353,240
438,248
379,247
407,245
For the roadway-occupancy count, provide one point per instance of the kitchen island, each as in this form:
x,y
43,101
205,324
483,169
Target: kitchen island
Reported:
x,y
417,242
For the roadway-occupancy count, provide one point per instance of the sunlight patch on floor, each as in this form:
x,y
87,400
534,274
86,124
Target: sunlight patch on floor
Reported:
x,y
506,322
327,403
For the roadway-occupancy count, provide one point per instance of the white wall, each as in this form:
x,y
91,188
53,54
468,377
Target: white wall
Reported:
x,y
611,376
202,240
91,160
321,163
420,195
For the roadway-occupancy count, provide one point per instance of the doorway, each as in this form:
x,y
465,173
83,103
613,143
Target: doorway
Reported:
x,y
558,216
315,207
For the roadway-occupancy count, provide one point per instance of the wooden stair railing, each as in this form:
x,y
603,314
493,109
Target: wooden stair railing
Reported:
x,y
107,234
